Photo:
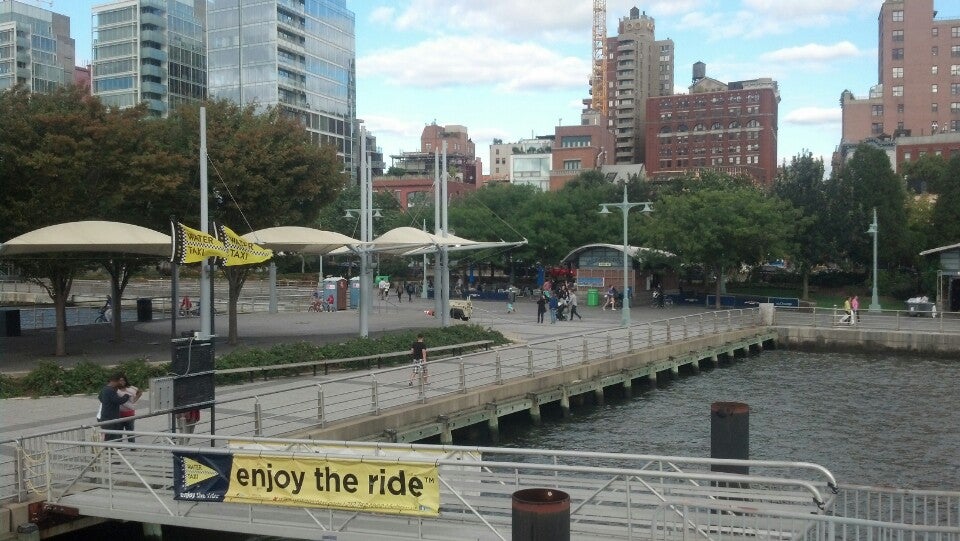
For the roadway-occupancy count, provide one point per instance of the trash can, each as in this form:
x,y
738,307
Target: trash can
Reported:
x,y
10,322
144,309
593,297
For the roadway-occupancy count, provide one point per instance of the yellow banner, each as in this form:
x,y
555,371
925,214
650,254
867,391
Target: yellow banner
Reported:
x,y
399,488
241,252
192,246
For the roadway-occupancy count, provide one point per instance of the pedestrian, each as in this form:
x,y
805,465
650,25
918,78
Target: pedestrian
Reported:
x,y
110,402
399,293
128,409
410,291
572,298
848,312
418,351
553,309
611,299
541,307
855,307
187,421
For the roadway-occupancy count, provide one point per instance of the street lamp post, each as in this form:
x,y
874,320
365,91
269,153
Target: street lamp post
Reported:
x,y
625,207
874,229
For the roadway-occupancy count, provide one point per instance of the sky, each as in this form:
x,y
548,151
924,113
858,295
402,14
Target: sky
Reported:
x,y
512,69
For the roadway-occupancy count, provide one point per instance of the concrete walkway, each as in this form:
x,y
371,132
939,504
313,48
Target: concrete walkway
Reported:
x,y
151,340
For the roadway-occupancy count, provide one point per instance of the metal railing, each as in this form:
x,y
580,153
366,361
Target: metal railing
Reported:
x,y
717,520
613,496
287,408
886,320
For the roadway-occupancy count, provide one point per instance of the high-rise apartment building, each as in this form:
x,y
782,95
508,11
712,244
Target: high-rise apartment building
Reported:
x,y
728,127
150,51
643,68
36,49
918,88
298,55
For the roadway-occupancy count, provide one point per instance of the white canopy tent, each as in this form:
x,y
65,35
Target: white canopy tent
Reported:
x,y
89,236
302,240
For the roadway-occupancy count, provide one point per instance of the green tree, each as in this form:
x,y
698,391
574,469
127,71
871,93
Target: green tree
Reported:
x,y
263,172
923,175
862,184
723,229
65,157
802,184
946,211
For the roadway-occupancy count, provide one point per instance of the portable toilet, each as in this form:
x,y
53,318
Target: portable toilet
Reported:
x,y
337,287
354,292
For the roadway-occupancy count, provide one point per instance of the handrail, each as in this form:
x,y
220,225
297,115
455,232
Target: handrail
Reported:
x,y
377,357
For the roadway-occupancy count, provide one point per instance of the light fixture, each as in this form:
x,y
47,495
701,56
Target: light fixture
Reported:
x,y
348,215
604,210
376,213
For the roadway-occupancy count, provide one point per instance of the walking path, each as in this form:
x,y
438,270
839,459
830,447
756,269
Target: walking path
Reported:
x,y
151,340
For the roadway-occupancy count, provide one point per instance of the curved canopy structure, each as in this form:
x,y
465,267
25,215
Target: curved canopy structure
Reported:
x,y
304,240
89,236
635,252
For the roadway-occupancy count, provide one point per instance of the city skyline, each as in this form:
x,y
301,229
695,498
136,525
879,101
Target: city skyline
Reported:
x,y
511,70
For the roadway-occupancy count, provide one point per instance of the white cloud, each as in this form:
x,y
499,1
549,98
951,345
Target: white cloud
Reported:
x,y
814,116
470,61
813,52
810,9
390,126
382,15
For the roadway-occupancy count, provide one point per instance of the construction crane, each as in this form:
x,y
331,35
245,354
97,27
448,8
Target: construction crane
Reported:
x,y
598,80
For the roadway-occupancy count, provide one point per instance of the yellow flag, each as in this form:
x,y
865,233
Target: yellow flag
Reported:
x,y
192,246
239,251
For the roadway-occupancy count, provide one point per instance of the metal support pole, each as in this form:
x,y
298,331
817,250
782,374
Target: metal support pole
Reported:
x,y
374,398
875,299
273,287
529,361
669,335
586,355
257,418
685,336
630,340
498,378
463,376
320,407
649,335
609,346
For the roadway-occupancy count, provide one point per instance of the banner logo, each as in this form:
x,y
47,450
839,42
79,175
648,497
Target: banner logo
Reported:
x,y
193,246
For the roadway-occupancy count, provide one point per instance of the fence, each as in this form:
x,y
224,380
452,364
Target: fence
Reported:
x,y
886,320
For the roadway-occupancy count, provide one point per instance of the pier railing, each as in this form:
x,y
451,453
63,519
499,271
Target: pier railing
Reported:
x,y
886,320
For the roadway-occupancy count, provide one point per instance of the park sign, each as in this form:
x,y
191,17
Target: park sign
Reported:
x,y
352,484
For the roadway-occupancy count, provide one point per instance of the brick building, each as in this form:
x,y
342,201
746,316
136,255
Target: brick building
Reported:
x,y
728,127
577,149
918,84
462,161
411,191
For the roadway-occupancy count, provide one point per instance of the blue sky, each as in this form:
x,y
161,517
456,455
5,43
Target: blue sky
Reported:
x,y
514,68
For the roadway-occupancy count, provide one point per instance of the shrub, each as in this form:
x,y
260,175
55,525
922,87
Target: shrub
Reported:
x,y
48,378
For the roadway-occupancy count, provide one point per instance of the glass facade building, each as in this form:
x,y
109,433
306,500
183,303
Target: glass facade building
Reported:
x,y
298,55
149,51
36,49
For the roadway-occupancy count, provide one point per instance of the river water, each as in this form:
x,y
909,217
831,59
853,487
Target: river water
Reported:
x,y
870,419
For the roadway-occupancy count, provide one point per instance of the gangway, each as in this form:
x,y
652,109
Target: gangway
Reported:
x,y
613,496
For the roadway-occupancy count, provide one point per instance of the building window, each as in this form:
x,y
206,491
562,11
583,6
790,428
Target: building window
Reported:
x,y
955,70
934,70
897,73
753,124
897,15
955,32
898,54
571,165
897,91
934,51
955,89
876,110
955,125
934,89
897,35
955,108
934,31
934,107
876,128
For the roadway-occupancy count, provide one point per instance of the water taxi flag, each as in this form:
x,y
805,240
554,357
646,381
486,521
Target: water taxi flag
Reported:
x,y
193,246
239,251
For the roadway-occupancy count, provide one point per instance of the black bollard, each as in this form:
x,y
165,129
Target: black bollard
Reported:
x,y
541,514
730,435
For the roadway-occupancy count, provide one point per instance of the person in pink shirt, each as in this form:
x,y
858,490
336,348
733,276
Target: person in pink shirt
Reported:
x,y
855,308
